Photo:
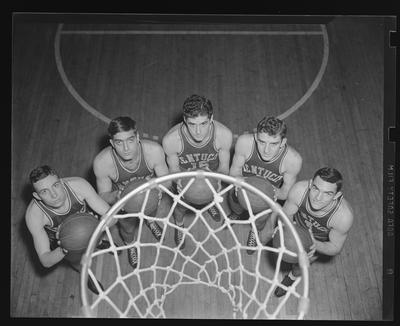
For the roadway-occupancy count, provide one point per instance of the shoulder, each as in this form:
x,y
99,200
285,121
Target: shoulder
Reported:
x,y
293,159
343,218
244,143
33,214
297,190
172,140
151,148
223,135
221,129
76,183
103,157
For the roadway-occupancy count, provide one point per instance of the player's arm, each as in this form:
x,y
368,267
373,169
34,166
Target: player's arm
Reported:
x,y
292,202
103,181
47,257
341,225
87,192
224,154
293,166
170,146
160,166
239,157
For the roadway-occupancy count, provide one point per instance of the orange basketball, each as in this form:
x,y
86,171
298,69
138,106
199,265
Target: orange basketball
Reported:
x,y
257,203
135,203
75,233
199,193
290,242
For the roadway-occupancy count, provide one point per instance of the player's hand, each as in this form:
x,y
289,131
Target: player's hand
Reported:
x,y
240,179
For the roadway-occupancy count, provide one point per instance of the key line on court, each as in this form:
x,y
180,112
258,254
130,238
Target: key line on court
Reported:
x,y
105,119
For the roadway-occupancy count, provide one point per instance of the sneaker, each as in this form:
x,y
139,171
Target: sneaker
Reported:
x,y
103,244
92,286
251,242
233,216
287,281
213,211
155,229
133,257
179,240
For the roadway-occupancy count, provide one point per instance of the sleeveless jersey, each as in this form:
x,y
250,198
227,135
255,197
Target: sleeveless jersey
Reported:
x,y
75,206
124,175
193,156
270,170
307,217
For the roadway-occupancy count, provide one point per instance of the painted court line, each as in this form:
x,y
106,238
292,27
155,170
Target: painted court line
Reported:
x,y
102,117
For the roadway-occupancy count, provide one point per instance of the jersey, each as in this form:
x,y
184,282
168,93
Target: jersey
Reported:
x,y
270,171
124,175
307,217
193,156
75,206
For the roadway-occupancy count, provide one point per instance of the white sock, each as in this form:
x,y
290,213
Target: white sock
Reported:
x,y
291,276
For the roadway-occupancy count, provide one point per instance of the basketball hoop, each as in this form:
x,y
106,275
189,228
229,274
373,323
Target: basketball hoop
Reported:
x,y
214,256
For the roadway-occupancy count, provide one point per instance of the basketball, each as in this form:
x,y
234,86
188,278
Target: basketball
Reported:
x,y
75,233
290,242
135,203
199,193
257,203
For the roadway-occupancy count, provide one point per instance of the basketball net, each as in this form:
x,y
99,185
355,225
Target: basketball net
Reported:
x,y
244,279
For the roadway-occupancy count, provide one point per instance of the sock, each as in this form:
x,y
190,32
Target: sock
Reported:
x,y
291,276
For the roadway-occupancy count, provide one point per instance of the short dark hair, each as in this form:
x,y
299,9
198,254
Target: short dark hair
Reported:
x,y
40,173
196,105
330,175
272,126
121,124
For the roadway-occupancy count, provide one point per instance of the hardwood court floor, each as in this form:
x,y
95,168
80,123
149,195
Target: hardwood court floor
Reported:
x,y
247,77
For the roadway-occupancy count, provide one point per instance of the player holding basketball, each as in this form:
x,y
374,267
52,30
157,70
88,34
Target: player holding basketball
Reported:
x,y
199,142
267,155
318,205
127,159
55,199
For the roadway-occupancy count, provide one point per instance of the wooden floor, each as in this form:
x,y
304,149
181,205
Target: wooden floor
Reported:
x,y
62,100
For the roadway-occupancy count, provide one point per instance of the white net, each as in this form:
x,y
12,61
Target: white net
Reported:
x,y
213,276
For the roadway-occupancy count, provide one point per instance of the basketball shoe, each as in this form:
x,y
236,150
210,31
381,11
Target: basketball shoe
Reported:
x,y
251,242
133,257
155,229
214,213
287,281
92,286
179,239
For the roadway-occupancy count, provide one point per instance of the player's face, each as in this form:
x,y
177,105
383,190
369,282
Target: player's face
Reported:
x,y
126,144
199,127
269,146
50,191
322,193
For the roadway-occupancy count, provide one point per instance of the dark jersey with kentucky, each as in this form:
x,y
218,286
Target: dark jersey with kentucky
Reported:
x,y
318,221
124,175
75,206
268,170
193,156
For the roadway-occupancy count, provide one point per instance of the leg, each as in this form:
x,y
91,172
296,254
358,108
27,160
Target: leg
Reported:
x,y
179,213
162,211
90,284
127,230
289,279
235,208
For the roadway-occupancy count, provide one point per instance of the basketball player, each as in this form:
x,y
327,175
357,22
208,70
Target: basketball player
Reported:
x,y
318,205
199,142
127,159
54,199
265,154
